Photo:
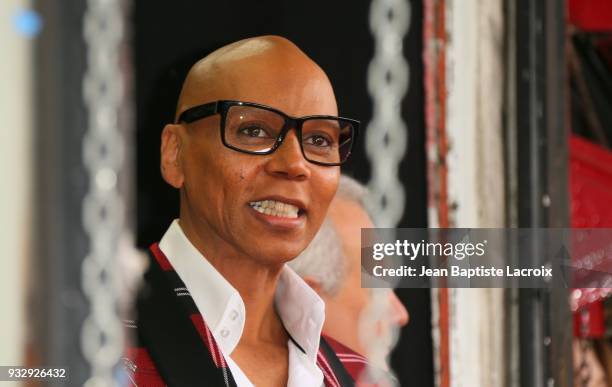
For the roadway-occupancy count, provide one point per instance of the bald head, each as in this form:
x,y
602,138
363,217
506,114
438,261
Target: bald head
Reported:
x,y
269,70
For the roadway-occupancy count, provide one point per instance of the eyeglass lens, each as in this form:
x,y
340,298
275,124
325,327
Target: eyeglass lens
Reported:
x,y
256,130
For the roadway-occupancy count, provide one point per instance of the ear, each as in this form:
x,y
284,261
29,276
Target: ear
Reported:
x,y
314,284
171,167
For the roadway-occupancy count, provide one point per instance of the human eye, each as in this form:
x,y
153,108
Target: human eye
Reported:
x,y
319,140
253,130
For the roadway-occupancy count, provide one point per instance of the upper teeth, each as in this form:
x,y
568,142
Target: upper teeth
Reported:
x,y
274,208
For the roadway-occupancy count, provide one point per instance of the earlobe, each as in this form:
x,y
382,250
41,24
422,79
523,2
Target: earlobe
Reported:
x,y
171,168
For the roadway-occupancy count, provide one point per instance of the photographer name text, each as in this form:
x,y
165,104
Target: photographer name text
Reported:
x,y
460,272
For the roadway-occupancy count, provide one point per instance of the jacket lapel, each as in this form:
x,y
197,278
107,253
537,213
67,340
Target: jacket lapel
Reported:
x,y
334,372
167,328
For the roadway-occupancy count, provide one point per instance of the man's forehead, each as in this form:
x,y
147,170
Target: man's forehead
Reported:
x,y
296,93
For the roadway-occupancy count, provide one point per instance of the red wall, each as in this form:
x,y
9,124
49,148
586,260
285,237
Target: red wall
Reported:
x,y
590,184
591,15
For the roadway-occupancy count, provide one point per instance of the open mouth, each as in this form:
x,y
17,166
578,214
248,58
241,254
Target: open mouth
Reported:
x,y
276,208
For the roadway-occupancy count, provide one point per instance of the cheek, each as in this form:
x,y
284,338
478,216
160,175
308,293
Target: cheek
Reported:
x,y
356,300
360,301
362,298
329,183
196,160
205,177
360,305
324,188
237,180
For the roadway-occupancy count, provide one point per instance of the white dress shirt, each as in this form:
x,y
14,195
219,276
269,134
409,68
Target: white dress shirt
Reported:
x,y
301,310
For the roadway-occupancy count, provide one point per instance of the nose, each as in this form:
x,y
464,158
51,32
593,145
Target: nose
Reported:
x,y
399,314
288,161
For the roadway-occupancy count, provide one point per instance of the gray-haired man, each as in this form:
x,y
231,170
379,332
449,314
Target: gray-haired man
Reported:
x,y
331,265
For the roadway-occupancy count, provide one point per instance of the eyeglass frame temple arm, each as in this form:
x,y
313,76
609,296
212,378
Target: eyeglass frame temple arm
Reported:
x,y
198,112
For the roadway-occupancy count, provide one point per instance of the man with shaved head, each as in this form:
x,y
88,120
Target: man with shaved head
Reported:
x,y
254,152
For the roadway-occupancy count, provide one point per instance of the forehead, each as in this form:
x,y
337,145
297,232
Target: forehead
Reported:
x,y
293,89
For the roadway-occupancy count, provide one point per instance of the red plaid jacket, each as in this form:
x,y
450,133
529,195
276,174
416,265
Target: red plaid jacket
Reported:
x,y
173,345
353,362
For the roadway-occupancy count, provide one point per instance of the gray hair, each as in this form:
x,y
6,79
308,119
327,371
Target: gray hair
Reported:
x,y
324,258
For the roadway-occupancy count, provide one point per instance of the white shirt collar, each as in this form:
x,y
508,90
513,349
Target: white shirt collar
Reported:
x,y
301,310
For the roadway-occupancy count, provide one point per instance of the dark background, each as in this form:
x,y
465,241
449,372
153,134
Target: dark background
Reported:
x,y
168,39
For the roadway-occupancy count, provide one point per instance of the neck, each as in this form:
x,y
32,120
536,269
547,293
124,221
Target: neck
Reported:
x,y
256,282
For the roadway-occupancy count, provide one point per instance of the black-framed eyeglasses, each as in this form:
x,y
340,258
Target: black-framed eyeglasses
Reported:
x,y
259,130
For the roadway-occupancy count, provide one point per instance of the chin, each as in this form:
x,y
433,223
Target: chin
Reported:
x,y
277,254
